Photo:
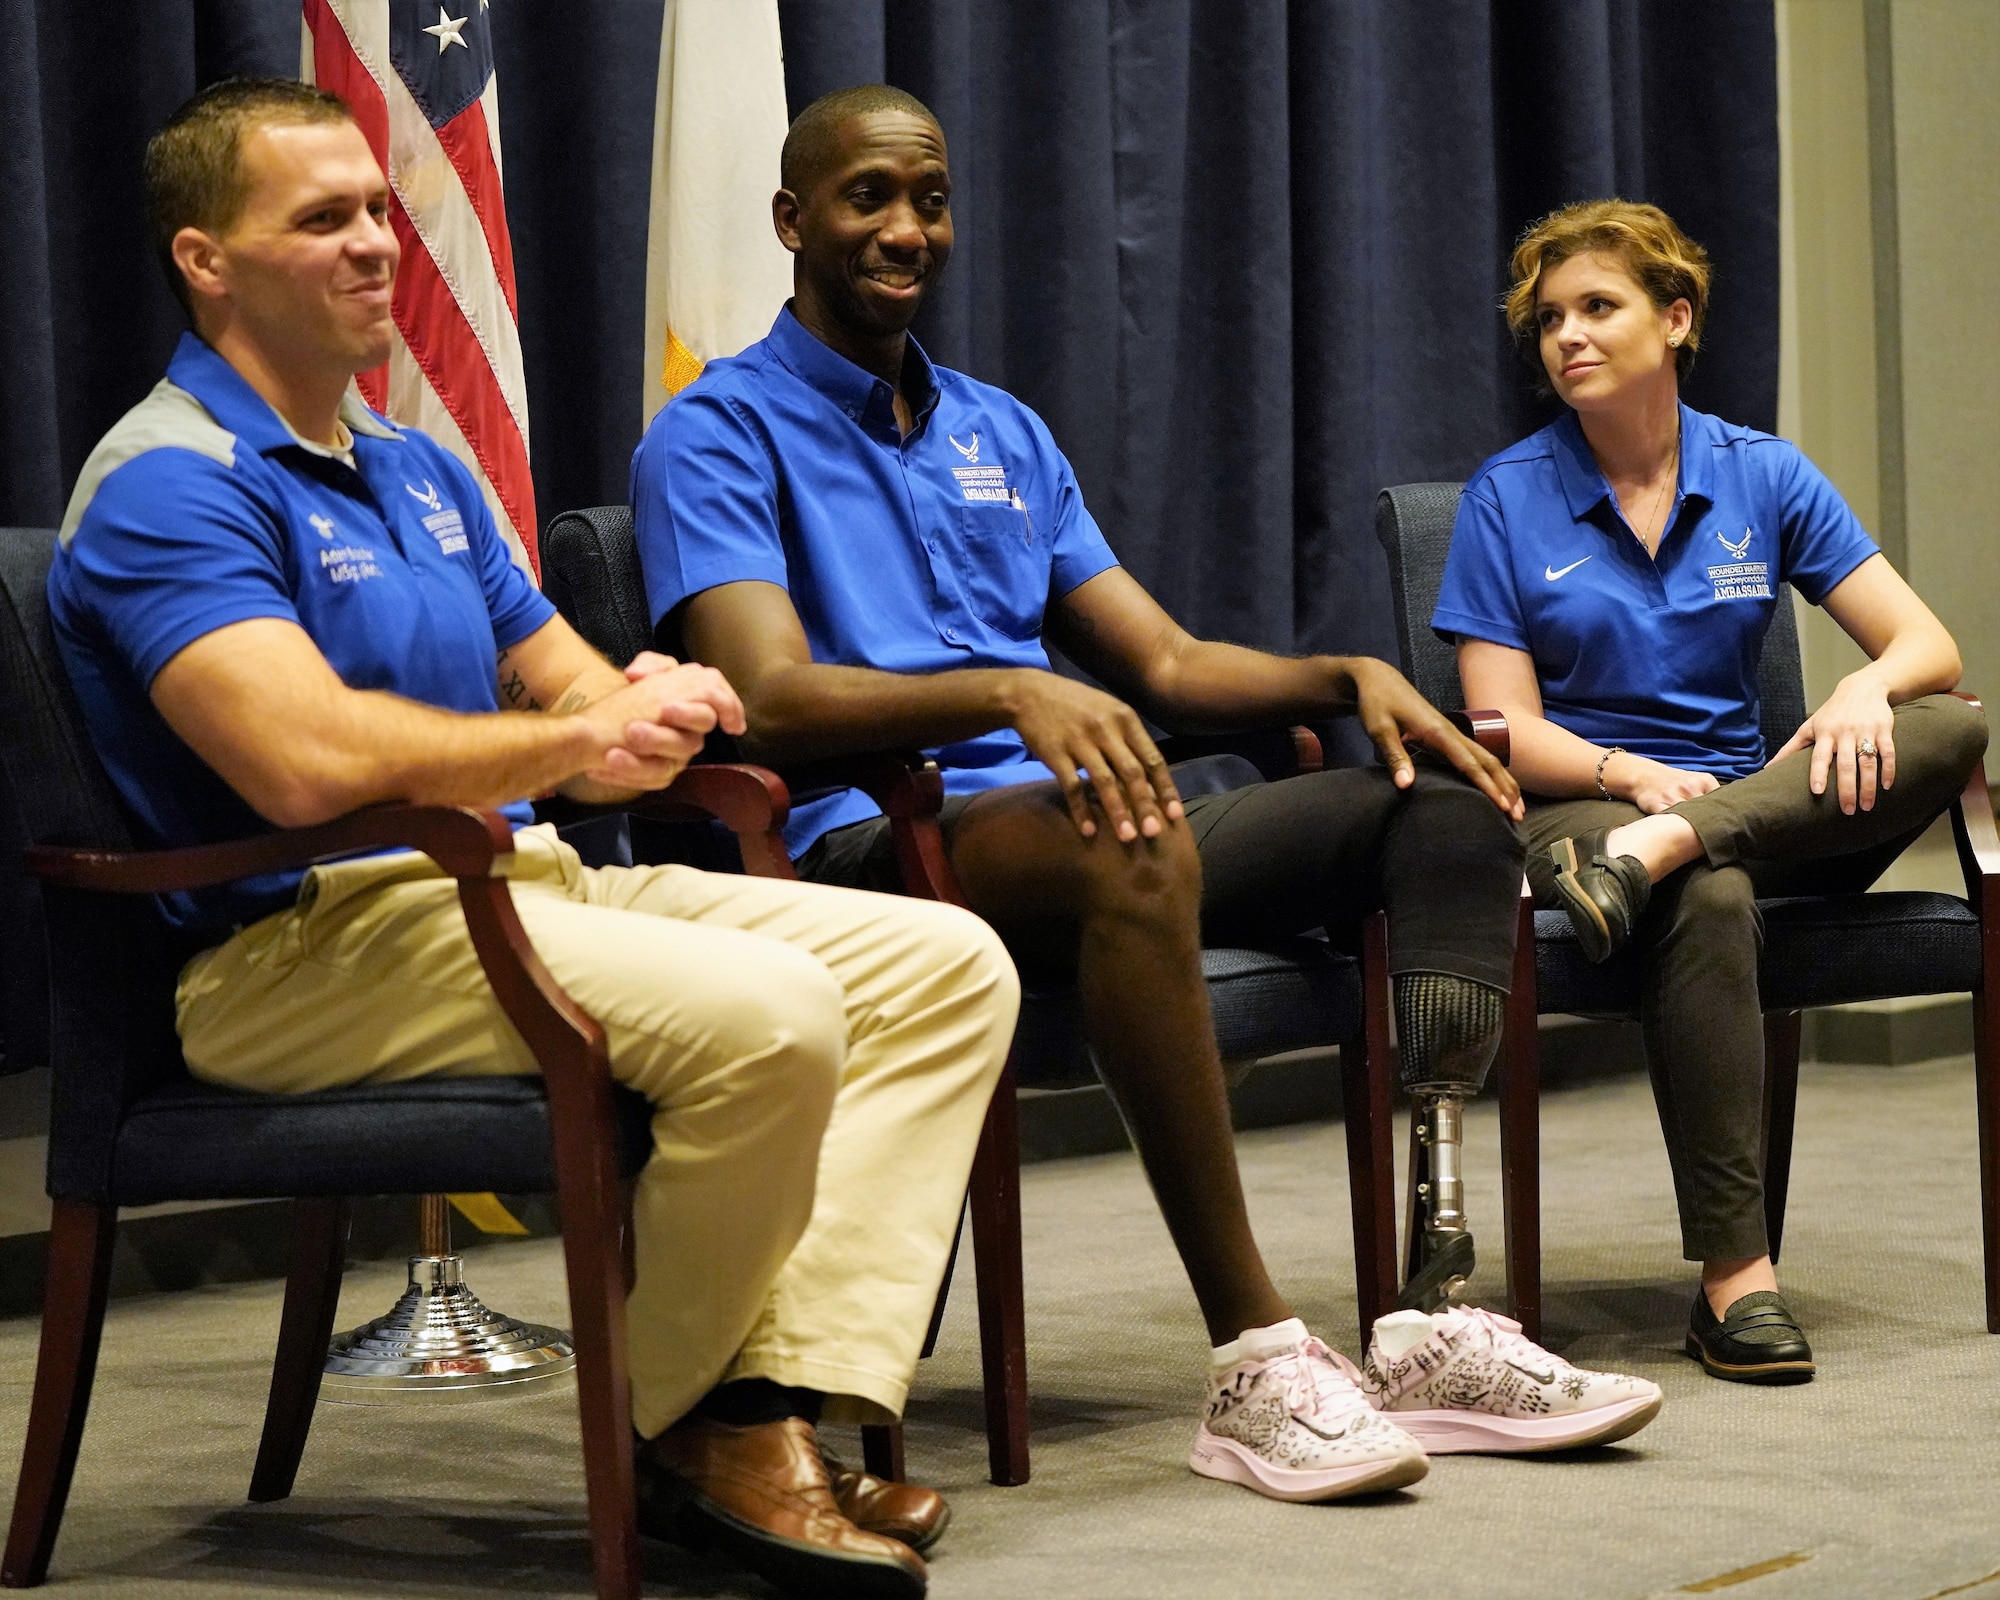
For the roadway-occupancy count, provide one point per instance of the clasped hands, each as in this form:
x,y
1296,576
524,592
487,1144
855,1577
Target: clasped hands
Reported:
x,y
652,728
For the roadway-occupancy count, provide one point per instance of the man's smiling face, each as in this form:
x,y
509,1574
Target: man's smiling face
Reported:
x,y
874,230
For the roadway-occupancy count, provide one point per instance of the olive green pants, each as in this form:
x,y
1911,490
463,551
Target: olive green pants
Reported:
x,y
1765,835
818,1060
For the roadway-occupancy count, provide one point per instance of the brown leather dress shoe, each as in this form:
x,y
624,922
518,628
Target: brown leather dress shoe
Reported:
x,y
761,1496
905,1511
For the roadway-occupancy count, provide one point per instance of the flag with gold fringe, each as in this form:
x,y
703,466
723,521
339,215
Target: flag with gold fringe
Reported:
x,y
715,272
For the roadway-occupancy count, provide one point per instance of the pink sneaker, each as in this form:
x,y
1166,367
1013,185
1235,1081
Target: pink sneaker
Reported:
x,y
1463,1379
1291,1424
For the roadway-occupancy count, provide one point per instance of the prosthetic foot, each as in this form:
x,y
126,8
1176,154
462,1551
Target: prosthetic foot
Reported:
x,y
1449,1030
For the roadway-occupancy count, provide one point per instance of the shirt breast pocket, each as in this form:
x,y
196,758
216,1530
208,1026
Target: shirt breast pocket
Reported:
x,y
1006,567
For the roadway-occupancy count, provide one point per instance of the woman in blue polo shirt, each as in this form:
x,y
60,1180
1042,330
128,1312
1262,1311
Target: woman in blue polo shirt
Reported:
x,y
1610,582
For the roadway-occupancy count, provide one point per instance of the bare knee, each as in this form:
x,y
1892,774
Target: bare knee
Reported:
x,y
1155,882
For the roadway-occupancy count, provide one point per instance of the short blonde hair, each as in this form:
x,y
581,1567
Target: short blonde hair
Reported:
x,y
1662,260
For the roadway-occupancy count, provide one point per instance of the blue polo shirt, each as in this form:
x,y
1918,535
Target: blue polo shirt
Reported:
x,y
202,508
944,549
1658,655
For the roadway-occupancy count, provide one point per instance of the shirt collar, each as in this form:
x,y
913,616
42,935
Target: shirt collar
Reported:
x,y
1583,483
853,389
227,396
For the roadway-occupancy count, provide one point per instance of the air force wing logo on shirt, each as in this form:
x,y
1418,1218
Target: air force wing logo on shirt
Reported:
x,y
977,482
1739,578
323,526
444,522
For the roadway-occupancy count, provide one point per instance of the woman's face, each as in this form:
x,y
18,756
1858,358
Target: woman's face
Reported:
x,y
1603,341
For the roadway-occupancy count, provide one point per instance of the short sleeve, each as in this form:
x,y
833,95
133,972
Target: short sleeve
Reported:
x,y
704,502
1478,599
1821,539
1077,546
171,549
516,607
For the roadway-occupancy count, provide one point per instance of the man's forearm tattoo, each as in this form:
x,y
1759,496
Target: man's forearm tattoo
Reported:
x,y
515,691
514,688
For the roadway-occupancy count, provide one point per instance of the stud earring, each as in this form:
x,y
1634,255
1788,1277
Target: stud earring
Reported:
x,y
1675,341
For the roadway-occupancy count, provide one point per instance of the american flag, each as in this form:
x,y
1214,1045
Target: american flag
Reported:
x,y
419,75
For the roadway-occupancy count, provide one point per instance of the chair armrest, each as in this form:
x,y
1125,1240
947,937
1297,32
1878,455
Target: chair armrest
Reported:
x,y
464,842
467,844
751,802
1276,752
1487,729
904,783
1977,837
910,790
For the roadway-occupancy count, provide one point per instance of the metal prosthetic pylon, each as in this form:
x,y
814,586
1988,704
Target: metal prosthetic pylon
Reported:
x,y
1441,1258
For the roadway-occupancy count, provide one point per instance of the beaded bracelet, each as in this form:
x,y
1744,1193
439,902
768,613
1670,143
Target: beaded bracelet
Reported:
x,y
1615,750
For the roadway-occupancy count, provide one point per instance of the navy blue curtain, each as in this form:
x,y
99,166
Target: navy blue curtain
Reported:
x,y
1243,255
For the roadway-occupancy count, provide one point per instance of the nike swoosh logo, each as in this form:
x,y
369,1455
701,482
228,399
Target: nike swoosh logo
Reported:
x,y
1529,1372
1552,573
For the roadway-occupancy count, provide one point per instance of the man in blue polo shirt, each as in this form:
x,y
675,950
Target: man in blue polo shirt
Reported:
x,y
276,607
874,549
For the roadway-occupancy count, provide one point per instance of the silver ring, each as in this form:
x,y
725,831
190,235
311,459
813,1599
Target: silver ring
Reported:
x,y
1866,748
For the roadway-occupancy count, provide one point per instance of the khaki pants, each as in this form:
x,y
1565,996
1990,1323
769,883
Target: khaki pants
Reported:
x,y
1767,835
818,1060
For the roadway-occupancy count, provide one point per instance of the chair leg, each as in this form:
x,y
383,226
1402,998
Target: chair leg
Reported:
x,y
944,1293
882,1444
1781,1104
312,1295
81,1237
996,1244
1371,1157
882,1450
594,1256
1521,1136
1986,1079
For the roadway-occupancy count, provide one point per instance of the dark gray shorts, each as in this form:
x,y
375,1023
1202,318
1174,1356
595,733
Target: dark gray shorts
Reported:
x,y
862,855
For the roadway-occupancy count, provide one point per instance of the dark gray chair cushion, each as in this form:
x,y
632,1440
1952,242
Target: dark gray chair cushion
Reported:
x,y
92,977
435,1136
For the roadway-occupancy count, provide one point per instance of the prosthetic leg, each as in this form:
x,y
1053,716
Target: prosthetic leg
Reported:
x,y
1448,1031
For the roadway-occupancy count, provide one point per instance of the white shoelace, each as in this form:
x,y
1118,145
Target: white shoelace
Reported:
x,y
1320,1383
1503,1336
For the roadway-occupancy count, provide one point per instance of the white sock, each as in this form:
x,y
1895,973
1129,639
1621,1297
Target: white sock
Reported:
x,y
1400,1332
1258,1344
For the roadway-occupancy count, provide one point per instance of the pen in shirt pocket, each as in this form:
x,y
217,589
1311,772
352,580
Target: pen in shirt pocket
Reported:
x,y
1027,518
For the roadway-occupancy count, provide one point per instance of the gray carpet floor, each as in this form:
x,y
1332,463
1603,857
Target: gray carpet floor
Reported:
x,y
1880,1479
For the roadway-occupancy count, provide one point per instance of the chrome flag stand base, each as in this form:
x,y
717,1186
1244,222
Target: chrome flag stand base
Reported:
x,y
439,1343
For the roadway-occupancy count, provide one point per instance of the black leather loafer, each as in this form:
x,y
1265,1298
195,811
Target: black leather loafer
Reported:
x,y
1757,1341
1604,895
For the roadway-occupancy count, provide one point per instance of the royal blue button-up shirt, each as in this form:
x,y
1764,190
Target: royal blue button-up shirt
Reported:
x,y
201,508
945,549
1658,654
